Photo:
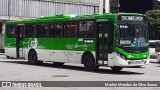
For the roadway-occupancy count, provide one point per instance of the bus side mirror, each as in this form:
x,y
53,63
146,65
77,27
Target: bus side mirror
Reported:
x,y
111,36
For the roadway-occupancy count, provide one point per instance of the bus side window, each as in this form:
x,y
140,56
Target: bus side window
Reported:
x,y
59,30
11,31
56,30
30,30
67,29
70,29
42,30
20,30
86,29
52,30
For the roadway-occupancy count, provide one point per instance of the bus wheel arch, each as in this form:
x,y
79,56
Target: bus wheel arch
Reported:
x,y
89,61
33,57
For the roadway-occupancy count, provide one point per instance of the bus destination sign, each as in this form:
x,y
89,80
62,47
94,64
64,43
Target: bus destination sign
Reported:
x,y
130,18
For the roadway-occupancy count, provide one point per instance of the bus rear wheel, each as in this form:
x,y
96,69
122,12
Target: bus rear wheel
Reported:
x,y
116,68
89,63
32,58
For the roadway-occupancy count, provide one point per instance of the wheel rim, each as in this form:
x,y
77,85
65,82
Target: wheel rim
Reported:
x,y
33,57
90,61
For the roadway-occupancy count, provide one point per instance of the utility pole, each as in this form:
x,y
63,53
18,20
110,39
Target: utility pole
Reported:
x,y
9,9
101,6
104,6
107,6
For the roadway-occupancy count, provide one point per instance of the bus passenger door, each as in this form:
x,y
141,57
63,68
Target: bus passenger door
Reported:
x,y
19,41
104,41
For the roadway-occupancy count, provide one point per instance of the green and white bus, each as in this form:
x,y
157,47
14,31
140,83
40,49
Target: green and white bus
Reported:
x,y
114,40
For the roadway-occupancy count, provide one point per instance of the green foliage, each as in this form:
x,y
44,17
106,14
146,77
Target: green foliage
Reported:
x,y
153,17
154,24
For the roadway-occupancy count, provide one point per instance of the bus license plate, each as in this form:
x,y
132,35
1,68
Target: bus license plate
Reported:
x,y
136,62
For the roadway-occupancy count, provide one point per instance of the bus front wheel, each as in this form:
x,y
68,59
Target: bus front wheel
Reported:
x,y
89,63
116,68
32,58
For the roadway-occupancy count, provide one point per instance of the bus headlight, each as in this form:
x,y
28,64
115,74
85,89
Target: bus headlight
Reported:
x,y
129,56
145,56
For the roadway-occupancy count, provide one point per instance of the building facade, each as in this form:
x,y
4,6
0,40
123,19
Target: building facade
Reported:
x,y
25,9
19,9
156,4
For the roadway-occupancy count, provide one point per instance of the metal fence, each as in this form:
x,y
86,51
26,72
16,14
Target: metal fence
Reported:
x,y
34,9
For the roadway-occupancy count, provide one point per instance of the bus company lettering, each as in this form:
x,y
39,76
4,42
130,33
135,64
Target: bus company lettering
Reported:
x,y
32,43
72,46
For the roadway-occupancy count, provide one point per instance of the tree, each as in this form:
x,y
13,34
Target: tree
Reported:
x,y
154,24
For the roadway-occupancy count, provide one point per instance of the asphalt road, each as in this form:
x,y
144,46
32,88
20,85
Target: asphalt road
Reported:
x,y
19,70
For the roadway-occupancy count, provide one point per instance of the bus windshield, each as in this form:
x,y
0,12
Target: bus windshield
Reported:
x,y
132,35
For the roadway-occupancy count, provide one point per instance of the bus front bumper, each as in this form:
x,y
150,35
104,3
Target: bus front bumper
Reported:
x,y
119,61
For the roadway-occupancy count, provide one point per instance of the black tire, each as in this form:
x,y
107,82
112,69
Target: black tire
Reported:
x,y
89,63
32,58
116,68
58,63
8,57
